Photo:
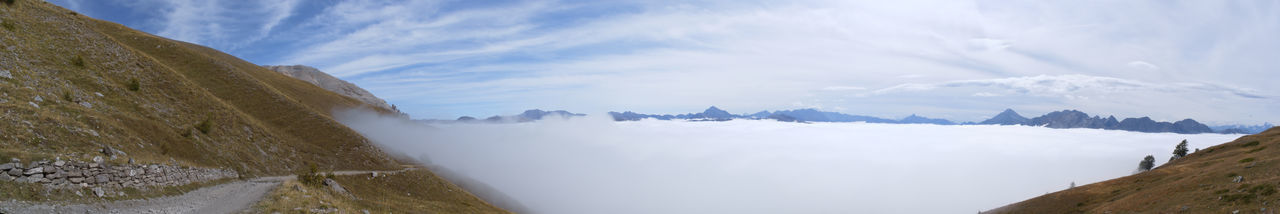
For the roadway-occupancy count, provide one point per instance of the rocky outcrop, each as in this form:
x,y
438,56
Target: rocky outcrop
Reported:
x,y
328,82
73,174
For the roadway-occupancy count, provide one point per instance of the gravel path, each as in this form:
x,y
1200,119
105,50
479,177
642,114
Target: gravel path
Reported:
x,y
234,197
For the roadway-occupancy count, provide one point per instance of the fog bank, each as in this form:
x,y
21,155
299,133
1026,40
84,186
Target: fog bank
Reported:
x,y
595,165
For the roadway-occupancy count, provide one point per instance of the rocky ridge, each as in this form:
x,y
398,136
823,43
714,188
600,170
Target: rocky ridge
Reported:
x,y
328,82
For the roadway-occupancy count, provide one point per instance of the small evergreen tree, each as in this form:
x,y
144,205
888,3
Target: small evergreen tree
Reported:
x,y
1147,163
1179,151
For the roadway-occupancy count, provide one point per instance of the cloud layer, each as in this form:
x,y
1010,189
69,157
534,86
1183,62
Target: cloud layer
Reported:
x,y
594,165
1207,60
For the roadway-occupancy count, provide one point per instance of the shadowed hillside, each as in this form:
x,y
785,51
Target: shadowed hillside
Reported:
x,y
1237,175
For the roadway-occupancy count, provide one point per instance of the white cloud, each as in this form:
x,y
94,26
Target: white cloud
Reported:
x,y
221,24
843,88
1072,85
1143,65
594,165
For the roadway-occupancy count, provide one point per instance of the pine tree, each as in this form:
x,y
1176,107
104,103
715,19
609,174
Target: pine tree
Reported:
x,y
1179,151
1147,163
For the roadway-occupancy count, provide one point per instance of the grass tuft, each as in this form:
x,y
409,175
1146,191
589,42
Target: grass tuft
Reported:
x,y
7,25
1250,143
204,126
133,85
1246,160
9,2
77,61
66,95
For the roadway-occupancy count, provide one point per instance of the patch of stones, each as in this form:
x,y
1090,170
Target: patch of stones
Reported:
x,y
99,175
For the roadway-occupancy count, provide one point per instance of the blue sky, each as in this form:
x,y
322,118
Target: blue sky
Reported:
x,y
962,60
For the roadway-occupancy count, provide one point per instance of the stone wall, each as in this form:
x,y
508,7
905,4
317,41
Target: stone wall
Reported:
x,y
70,174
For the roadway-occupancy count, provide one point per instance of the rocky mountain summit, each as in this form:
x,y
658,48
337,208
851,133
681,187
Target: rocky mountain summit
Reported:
x,y
1076,119
328,82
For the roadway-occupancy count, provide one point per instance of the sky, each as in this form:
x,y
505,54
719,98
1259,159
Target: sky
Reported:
x,y
964,60
596,165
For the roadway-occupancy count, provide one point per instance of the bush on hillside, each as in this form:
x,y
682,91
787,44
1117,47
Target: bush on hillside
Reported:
x,y
133,85
9,2
7,25
77,61
313,176
204,126
1147,163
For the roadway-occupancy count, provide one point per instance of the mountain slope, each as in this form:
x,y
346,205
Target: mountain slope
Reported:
x,y
328,82
78,84
1007,117
1202,182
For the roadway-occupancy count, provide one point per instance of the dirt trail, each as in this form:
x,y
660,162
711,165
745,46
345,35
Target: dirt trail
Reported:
x,y
234,197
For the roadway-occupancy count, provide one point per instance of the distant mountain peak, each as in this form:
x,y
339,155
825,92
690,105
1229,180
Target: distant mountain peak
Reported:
x,y
1006,117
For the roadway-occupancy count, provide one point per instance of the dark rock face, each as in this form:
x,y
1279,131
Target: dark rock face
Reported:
x,y
1008,117
783,118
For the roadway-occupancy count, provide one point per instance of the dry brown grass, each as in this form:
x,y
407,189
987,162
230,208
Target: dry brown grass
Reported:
x,y
1198,183
417,191
162,101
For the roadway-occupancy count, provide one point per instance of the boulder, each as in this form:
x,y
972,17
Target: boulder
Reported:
x,y
98,192
15,172
337,188
102,178
1238,179
7,166
34,170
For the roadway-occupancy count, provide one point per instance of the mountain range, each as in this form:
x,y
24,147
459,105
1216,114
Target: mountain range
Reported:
x,y
1057,119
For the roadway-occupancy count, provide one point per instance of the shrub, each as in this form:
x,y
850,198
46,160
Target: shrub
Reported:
x,y
1246,160
204,126
7,25
133,85
312,176
66,95
9,2
1232,175
77,61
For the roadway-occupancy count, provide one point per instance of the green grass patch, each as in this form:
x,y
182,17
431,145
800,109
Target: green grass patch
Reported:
x,y
77,61
204,126
1250,143
7,25
1256,149
1232,175
9,2
1246,160
66,95
133,84
1242,197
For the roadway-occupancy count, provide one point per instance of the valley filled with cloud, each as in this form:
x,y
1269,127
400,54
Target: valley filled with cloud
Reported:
x,y
596,165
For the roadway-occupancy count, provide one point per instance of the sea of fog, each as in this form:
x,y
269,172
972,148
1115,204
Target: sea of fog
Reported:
x,y
595,165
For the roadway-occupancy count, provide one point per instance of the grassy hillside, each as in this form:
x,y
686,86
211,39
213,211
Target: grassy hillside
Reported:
x,y
76,84
1202,182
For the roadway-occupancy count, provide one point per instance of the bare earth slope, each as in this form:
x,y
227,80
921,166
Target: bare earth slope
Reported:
x,y
1202,182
